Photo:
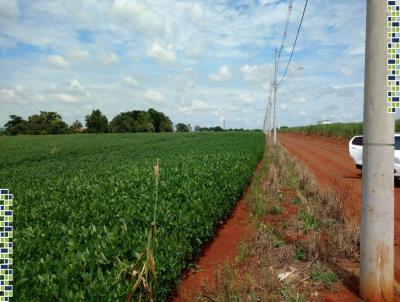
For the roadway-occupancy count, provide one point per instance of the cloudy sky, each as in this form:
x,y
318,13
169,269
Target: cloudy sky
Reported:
x,y
198,61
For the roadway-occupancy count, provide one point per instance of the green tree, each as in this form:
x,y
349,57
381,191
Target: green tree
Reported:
x,y
166,125
76,127
96,122
161,122
180,127
56,127
123,122
46,122
16,125
145,122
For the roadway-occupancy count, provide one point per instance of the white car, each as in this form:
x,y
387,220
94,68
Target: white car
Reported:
x,y
355,150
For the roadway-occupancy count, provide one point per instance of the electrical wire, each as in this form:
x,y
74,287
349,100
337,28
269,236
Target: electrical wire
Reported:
x,y
285,29
295,41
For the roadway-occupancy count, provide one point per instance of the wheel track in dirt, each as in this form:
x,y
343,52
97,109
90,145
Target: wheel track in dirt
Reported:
x,y
328,159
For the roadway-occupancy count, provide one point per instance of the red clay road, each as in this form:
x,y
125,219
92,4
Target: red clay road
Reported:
x,y
223,248
329,160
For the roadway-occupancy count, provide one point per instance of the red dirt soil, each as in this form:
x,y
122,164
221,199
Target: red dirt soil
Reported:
x,y
329,160
223,247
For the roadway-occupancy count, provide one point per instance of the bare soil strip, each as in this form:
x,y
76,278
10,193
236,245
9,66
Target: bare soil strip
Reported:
x,y
329,160
221,249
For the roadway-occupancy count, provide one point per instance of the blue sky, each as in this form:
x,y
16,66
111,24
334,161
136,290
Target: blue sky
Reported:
x,y
200,62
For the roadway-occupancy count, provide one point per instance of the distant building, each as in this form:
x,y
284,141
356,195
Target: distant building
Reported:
x,y
324,122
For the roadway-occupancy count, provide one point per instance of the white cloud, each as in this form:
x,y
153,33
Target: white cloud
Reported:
x,y
246,98
357,50
57,62
71,93
222,74
76,85
299,100
161,54
256,72
139,16
66,98
8,11
194,34
107,58
154,96
7,95
283,106
346,70
6,42
131,81
80,55
200,106
197,13
266,2
196,47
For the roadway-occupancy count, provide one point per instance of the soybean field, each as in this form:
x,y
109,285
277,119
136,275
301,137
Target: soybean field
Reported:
x,y
83,204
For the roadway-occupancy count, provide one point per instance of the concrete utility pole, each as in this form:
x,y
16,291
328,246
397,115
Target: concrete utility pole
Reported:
x,y
377,217
275,91
270,109
265,122
267,116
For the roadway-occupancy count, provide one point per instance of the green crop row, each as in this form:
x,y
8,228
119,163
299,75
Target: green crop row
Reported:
x,y
341,130
83,204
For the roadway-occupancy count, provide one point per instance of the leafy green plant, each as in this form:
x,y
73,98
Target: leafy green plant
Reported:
x,y
84,215
296,200
309,221
324,276
290,297
277,242
275,210
299,253
244,251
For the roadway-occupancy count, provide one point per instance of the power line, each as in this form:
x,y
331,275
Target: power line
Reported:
x,y
278,53
295,41
285,29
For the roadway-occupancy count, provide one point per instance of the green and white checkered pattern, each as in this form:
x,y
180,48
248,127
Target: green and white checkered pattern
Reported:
x,y
6,245
393,22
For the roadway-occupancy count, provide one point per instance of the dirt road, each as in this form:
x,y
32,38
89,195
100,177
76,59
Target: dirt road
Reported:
x,y
224,247
328,159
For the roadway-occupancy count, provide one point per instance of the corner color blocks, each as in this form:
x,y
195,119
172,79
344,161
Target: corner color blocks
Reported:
x,y
393,49
6,245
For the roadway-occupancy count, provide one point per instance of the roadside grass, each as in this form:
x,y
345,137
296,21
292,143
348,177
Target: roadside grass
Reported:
x,y
299,232
323,275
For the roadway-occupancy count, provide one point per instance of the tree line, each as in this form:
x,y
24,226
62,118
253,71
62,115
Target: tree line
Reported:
x,y
47,122
52,123
180,127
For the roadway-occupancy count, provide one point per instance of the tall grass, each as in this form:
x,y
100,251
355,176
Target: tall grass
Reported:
x,y
341,130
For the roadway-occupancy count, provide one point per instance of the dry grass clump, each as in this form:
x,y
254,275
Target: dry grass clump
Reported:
x,y
271,182
335,236
307,183
255,279
306,232
143,272
230,285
